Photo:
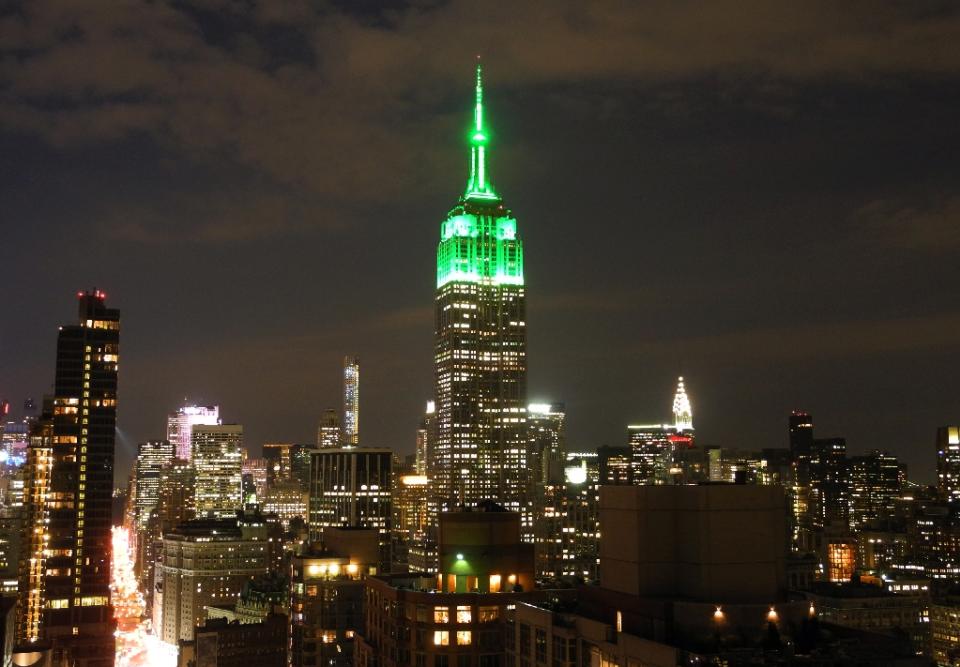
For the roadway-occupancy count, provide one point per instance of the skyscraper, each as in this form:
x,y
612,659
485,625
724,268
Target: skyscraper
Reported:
x,y
480,344
180,425
682,412
351,401
65,583
218,459
152,456
948,462
352,486
426,434
328,433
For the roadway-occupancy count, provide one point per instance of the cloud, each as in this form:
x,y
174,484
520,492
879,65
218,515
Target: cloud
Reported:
x,y
347,107
931,227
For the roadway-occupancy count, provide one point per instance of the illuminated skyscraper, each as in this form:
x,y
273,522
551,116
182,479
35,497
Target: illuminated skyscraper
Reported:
x,y
65,583
352,486
351,401
682,413
328,433
426,435
948,462
480,345
152,456
218,459
547,440
180,425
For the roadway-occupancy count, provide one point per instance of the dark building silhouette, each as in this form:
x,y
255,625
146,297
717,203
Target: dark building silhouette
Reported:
x,y
65,577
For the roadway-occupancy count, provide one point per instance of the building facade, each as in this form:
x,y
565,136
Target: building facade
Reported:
x,y
480,346
351,401
218,459
65,579
181,422
352,486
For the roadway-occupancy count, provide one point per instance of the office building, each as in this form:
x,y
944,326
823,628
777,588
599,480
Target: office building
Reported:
x,y
352,486
152,456
480,345
546,423
329,434
876,481
180,426
279,456
351,401
175,505
207,562
682,411
615,465
948,462
567,526
426,435
218,459
413,527
287,500
65,581
255,469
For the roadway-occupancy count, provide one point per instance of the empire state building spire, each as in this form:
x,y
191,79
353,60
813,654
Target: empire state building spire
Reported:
x,y
682,413
479,187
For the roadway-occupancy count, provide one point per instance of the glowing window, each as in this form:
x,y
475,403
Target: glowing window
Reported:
x,y
463,638
463,614
441,638
441,614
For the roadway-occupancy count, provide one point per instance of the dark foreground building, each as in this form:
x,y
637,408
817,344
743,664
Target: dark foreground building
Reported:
x,y
65,577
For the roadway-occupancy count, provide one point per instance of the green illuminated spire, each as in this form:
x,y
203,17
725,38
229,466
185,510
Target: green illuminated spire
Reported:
x,y
478,187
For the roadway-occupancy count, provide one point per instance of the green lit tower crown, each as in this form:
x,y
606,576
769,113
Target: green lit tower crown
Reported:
x,y
480,353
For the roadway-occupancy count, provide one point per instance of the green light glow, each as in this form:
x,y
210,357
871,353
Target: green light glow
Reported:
x,y
478,187
480,248
478,240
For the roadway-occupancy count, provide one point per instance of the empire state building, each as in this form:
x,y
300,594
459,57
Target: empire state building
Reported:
x,y
480,346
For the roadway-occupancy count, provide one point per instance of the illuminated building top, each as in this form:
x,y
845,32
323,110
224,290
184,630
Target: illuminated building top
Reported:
x,y
478,240
682,413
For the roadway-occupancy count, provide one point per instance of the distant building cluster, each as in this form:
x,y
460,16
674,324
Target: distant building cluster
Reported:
x,y
497,543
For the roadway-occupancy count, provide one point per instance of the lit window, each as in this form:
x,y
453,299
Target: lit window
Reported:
x,y
441,614
463,638
463,614
441,638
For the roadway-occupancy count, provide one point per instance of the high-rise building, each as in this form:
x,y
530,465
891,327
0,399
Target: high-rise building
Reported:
x,y
207,562
352,486
180,426
546,422
567,526
876,481
329,433
65,581
948,462
218,459
176,503
480,344
279,456
682,412
351,401
152,456
413,511
426,435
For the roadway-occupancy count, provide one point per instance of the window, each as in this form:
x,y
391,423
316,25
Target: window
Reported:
x,y
441,638
488,614
524,639
441,614
463,614
541,645
422,614
464,638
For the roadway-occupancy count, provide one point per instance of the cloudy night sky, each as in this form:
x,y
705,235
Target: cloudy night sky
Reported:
x,y
759,195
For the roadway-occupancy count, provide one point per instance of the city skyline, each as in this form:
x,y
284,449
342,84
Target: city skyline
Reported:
x,y
797,263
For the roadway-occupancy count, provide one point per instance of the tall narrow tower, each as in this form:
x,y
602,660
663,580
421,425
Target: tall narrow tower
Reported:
x,y
351,401
480,345
682,413
65,580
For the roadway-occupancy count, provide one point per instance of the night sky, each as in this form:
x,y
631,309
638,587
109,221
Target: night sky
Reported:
x,y
761,196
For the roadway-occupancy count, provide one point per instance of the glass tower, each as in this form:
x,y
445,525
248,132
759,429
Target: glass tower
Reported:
x,y
480,345
351,401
